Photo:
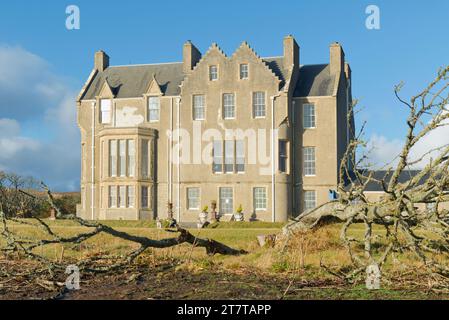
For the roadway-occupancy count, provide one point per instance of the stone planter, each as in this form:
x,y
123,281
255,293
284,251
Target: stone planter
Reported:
x,y
203,217
239,217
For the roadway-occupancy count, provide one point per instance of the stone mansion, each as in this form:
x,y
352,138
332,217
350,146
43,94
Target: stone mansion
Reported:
x,y
263,133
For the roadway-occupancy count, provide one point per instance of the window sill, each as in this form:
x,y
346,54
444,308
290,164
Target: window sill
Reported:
x,y
310,175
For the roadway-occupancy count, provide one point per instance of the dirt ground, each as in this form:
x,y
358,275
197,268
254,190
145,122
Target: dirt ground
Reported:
x,y
24,280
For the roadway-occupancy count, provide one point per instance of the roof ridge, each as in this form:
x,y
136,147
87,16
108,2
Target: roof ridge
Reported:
x,y
144,64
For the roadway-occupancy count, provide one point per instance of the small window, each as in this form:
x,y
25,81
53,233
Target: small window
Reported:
x,y
259,105
283,156
228,106
199,112
218,156
105,111
260,198
244,71
229,156
309,116
154,104
309,161
226,201
145,197
193,198
131,196
122,196
240,156
309,200
112,197
213,73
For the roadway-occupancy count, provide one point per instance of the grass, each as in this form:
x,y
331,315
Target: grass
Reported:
x,y
301,261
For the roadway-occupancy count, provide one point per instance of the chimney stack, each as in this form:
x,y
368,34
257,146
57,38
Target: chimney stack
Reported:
x,y
291,53
337,58
101,61
191,56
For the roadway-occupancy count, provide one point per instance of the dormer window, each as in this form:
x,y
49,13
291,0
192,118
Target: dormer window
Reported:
x,y
105,111
154,105
244,71
213,73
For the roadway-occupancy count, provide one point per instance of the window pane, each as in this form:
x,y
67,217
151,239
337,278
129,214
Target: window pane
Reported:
x,y
309,161
283,156
240,156
228,106
259,104
145,197
131,158
153,108
309,116
193,198
218,156
145,160
309,200
122,158
122,197
260,198
226,201
213,73
229,156
244,71
198,107
112,197
112,158
131,197
105,111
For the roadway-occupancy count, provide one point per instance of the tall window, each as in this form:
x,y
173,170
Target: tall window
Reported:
x,y
218,156
240,156
199,111
145,197
112,197
154,105
122,196
213,73
309,200
229,156
244,71
259,104
260,198
105,111
283,155
228,106
113,158
122,158
226,201
309,116
131,196
309,161
131,158
193,198
145,161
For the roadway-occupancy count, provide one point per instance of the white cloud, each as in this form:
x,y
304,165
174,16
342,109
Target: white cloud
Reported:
x,y
385,151
31,94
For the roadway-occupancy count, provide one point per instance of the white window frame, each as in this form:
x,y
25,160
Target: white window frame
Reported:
x,y
221,198
308,161
241,72
228,106
199,111
131,157
283,157
308,199
154,107
122,166
191,198
145,158
113,158
144,193
229,156
218,160
105,104
309,117
257,104
240,156
260,201
213,75
130,196
112,197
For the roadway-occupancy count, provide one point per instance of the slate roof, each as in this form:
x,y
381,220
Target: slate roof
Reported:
x,y
133,80
374,186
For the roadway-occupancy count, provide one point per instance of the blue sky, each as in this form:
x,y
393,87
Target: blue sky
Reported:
x,y
411,45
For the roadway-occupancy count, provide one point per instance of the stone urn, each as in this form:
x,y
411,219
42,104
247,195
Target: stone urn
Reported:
x,y
238,216
202,217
